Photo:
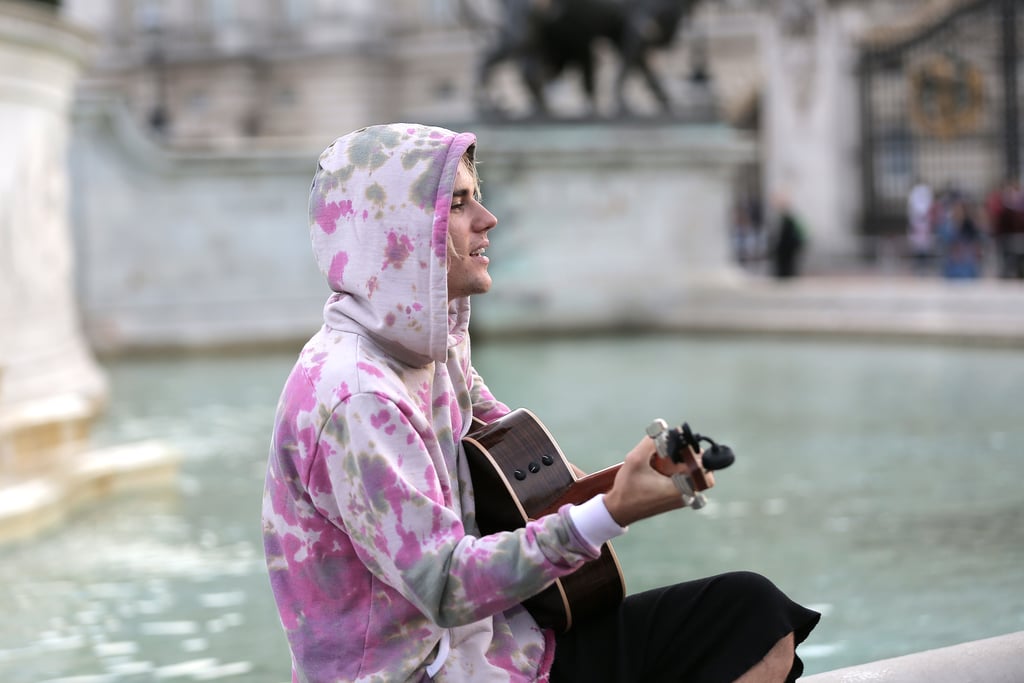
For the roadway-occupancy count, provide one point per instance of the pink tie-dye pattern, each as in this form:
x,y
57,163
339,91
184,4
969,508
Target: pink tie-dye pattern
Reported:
x,y
380,419
410,552
366,486
398,251
336,274
407,521
369,369
439,237
327,214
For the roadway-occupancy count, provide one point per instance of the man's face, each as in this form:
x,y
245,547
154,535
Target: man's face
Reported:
x,y
468,225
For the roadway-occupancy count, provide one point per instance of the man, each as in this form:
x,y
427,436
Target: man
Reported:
x,y
375,559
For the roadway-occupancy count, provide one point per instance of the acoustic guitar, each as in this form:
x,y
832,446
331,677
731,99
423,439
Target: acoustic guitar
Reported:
x,y
519,473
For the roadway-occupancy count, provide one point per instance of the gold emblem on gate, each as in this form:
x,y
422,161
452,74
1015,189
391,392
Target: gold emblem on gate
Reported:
x,y
947,96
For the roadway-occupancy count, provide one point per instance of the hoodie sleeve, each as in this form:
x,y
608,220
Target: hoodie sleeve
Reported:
x,y
375,477
485,406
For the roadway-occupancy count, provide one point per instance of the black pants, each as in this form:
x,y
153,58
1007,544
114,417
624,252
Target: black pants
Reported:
x,y
706,631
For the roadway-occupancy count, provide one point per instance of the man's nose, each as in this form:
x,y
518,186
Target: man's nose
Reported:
x,y
486,220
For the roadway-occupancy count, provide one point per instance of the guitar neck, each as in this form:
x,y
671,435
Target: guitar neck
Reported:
x,y
584,489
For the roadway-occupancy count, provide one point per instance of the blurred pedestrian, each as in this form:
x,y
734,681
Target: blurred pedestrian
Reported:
x,y
789,240
747,234
920,235
960,241
1009,231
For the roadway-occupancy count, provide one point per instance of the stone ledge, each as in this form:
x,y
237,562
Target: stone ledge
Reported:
x,y
30,505
984,313
992,660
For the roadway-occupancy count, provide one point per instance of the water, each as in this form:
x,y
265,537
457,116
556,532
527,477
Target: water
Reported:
x,y
879,484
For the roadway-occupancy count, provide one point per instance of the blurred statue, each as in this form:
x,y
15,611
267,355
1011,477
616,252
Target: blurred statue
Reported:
x,y
543,38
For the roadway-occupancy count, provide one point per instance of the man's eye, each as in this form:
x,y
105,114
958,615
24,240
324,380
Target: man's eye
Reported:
x,y
457,205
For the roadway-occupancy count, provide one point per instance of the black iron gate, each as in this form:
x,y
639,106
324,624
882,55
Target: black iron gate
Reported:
x,y
942,108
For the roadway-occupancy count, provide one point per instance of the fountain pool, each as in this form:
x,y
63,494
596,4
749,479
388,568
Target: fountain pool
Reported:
x,y
877,483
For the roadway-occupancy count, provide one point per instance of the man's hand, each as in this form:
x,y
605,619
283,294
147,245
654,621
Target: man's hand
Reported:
x,y
639,490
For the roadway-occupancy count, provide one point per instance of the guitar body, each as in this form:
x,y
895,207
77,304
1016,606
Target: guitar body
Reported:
x,y
519,473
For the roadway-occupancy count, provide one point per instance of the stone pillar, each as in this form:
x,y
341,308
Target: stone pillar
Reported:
x,y
811,132
50,385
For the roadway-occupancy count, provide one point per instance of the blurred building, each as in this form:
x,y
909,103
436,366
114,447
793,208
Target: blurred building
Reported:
x,y
850,100
226,73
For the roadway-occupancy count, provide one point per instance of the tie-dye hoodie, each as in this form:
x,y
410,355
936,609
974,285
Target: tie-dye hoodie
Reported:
x,y
375,559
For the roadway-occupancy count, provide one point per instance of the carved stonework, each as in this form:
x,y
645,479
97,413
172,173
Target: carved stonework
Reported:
x,y
947,96
541,39
51,386
798,24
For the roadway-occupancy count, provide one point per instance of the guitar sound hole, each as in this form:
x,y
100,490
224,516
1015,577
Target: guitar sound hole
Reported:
x,y
547,459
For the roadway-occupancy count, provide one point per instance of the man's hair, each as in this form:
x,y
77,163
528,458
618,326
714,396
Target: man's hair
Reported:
x,y
469,159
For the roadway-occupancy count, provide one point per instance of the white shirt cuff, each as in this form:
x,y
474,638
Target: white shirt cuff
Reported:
x,y
593,521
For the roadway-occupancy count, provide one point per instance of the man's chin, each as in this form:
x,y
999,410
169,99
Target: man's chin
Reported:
x,y
482,287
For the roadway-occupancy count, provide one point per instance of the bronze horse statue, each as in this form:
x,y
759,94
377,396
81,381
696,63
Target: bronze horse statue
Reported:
x,y
544,38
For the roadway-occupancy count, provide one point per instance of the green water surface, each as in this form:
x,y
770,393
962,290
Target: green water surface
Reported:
x,y
878,484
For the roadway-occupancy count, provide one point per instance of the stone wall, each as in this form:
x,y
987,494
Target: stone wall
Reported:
x,y
194,249
606,225
599,224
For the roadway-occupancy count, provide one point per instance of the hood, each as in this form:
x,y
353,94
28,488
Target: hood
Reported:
x,y
378,214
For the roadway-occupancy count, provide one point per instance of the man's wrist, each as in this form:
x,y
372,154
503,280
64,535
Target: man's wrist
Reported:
x,y
594,523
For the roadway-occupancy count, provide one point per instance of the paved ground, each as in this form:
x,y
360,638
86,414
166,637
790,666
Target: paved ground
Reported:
x,y
870,305
985,311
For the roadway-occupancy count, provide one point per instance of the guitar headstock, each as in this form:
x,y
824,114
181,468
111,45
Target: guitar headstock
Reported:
x,y
681,459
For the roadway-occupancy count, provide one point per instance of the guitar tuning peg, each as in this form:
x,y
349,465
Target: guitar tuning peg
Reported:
x,y
656,427
658,430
